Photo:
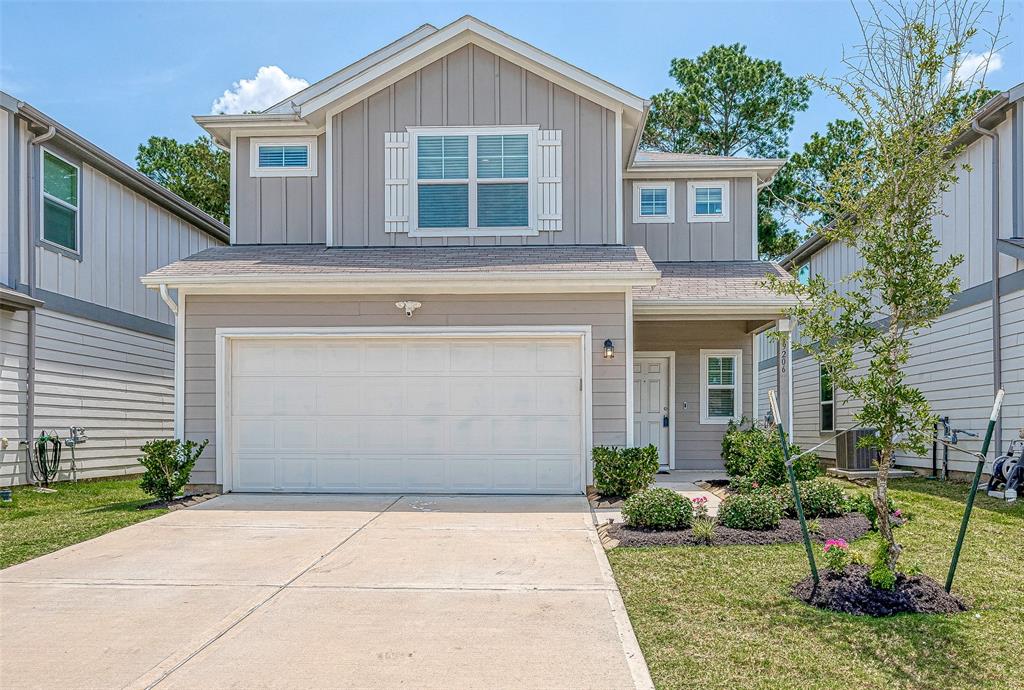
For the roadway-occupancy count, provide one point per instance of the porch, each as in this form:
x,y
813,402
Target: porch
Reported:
x,y
693,359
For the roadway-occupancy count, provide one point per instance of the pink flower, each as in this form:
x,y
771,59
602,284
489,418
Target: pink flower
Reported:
x,y
897,513
837,544
700,500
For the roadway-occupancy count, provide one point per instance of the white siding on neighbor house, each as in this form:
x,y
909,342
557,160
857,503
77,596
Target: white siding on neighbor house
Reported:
x,y
698,446
6,127
116,383
205,313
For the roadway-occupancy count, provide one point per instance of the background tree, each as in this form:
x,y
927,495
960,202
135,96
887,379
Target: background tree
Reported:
x,y
728,103
198,171
881,202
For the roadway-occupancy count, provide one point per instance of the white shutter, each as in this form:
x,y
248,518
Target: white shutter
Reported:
x,y
396,182
549,180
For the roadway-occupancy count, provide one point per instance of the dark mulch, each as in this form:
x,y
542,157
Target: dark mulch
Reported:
x,y
850,592
849,527
178,503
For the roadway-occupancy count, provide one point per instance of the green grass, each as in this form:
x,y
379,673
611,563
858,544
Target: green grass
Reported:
x,y
38,523
724,618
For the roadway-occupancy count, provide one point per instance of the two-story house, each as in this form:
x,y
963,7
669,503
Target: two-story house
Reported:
x,y
82,343
976,347
452,270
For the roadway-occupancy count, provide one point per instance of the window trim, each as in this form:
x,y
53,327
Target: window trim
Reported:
x,y
310,170
705,418
472,181
43,196
670,206
691,201
822,402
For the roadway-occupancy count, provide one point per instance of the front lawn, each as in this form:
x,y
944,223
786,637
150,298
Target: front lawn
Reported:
x,y
38,523
724,618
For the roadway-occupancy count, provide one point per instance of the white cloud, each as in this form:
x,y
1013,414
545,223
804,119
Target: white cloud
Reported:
x,y
271,85
973,67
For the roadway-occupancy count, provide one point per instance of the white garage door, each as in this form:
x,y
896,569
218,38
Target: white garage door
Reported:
x,y
412,414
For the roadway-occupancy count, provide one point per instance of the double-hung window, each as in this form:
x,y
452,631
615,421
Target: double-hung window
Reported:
x,y
654,202
826,399
708,201
60,205
291,157
721,393
474,182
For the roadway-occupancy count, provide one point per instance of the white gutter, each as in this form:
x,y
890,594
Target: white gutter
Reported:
x,y
166,297
50,133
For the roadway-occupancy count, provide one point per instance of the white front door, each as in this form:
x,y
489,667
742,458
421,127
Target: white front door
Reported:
x,y
652,423
418,414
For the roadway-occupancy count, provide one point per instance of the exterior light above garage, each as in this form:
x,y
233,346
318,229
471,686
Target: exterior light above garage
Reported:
x,y
609,349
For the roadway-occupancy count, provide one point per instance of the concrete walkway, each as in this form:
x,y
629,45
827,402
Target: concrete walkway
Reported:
x,y
327,591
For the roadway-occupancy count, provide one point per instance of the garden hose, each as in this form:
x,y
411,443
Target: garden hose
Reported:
x,y
47,460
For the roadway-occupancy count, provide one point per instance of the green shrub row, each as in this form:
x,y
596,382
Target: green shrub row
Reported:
x,y
755,455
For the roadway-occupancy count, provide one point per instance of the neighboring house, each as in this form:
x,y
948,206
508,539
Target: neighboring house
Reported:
x,y
81,342
966,355
453,271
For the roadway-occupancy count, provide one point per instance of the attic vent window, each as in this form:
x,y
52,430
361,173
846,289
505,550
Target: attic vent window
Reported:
x,y
288,158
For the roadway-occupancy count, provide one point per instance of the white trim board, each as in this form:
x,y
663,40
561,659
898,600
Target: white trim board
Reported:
x,y
222,374
671,355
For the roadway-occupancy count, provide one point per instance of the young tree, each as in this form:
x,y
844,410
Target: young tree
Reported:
x,y
729,103
198,171
907,89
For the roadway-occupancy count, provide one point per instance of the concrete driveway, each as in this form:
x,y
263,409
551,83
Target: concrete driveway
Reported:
x,y
327,591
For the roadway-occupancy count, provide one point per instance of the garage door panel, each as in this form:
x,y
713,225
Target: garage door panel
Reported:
x,y
407,414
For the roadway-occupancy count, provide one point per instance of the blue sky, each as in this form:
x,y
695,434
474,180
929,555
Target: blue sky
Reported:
x,y
118,72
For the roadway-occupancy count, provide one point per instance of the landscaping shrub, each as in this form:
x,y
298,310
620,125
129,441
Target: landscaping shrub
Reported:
x,y
624,471
755,454
168,464
658,508
743,485
821,498
756,511
836,555
704,530
881,576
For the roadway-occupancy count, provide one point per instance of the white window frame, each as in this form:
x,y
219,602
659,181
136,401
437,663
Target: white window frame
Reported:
x,y
43,196
472,181
822,403
254,157
737,386
691,201
670,207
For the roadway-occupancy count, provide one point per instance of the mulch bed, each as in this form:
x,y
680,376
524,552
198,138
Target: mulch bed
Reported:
x,y
850,592
848,527
179,502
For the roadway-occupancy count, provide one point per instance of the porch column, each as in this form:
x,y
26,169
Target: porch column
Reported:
x,y
784,373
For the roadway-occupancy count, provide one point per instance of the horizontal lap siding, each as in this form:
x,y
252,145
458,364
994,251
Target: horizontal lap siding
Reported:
x,y
698,446
205,313
116,383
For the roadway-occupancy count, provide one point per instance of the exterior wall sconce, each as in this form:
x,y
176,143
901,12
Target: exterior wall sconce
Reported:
x,y
609,349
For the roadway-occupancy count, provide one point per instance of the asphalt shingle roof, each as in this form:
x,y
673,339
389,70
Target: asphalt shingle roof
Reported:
x,y
733,281
254,261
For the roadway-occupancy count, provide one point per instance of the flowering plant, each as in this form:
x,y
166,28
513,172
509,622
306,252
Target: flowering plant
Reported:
x,y
700,506
837,555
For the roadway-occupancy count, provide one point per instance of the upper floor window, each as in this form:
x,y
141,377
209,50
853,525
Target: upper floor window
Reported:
x,y
283,158
473,181
721,393
654,202
60,193
708,201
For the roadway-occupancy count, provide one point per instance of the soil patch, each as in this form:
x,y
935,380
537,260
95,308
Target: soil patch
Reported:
x,y
850,592
848,527
179,502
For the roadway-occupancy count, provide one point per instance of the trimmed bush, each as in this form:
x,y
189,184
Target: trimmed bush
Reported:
x,y
168,464
743,485
624,471
754,454
819,497
658,508
756,511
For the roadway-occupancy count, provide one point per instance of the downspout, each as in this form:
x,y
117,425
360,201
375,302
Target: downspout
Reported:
x,y
166,297
997,349
30,248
